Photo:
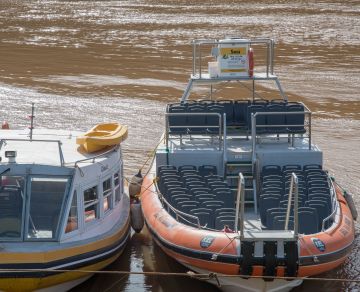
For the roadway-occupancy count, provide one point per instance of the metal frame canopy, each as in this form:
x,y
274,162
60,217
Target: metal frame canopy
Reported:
x,y
199,77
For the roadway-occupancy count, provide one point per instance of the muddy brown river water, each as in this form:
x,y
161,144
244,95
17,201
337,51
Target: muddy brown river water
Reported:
x,y
85,62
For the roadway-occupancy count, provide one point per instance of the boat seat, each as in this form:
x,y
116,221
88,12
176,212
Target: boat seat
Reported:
x,y
198,191
224,211
240,109
196,123
221,221
291,168
178,123
279,223
212,204
186,167
310,167
186,207
271,213
218,185
318,183
214,122
295,122
308,221
208,178
276,122
205,219
272,190
320,196
266,203
273,177
205,170
271,169
260,119
321,209
174,200
284,203
273,184
162,169
205,197
228,107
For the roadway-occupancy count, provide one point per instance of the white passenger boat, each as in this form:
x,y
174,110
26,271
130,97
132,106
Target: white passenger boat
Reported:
x,y
238,189
61,208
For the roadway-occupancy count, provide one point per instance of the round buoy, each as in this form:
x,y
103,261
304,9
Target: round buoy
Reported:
x,y
135,185
5,125
137,218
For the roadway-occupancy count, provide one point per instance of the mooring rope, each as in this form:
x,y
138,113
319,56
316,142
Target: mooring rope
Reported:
x,y
189,274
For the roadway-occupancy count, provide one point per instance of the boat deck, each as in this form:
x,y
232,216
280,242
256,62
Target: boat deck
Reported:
x,y
44,148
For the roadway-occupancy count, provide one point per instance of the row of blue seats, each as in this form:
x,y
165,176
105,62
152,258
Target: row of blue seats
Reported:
x,y
313,192
213,219
238,113
200,195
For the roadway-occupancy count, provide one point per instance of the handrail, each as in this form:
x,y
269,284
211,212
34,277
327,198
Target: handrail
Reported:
x,y
240,204
334,207
167,125
176,211
224,143
62,162
306,112
197,56
113,149
294,186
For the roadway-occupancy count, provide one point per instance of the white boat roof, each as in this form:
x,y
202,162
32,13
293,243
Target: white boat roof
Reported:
x,y
44,148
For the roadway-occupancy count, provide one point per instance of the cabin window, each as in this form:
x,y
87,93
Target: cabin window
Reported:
x,y
11,206
91,204
45,204
107,194
72,221
117,187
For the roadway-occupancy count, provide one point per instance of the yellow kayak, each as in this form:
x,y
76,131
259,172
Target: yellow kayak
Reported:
x,y
102,136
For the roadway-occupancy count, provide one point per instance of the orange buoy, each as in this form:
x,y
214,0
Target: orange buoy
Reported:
x,y
5,125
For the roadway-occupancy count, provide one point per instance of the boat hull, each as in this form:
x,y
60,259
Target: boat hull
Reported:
x,y
184,244
87,256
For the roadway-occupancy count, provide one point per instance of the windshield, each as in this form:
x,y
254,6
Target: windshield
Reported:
x,y
11,206
35,215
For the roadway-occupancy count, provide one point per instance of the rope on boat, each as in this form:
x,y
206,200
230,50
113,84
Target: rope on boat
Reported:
x,y
204,276
152,153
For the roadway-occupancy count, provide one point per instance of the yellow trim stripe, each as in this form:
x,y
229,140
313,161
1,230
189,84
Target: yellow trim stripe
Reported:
x,y
61,253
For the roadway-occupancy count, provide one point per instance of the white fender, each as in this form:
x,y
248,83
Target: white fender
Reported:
x,y
137,218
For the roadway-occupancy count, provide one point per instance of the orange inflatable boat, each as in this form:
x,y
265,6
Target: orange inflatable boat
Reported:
x,y
238,186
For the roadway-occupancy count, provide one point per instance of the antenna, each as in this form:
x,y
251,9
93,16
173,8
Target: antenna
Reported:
x,y
32,120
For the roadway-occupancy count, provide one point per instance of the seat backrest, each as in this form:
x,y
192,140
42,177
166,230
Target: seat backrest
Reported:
x,y
240,111
260,119
310,167
228,106
220,211
271,169
186,167
308,222
205,170
275,119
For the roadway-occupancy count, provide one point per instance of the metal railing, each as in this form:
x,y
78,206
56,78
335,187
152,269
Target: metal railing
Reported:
x,y
93,158
177,212
61,155
294,188
334,207
187,126
197,55
254,126
240,206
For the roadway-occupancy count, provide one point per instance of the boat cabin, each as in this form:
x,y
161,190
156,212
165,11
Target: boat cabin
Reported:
x,y
51,190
